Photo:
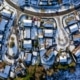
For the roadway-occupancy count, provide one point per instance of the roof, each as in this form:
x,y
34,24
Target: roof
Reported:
x,y
48,24
63,58
27,44
34,60
27,33
35,53
73,28
3,24
6,72
33,32
77,53
48,42
48,32
40,33
71,47
1,36
27,23
6,13
55,52
29,57
76,37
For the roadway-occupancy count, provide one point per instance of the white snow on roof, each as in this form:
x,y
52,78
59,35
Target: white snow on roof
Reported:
x,y
71,47
0,45
27,43
6,13
55,52
27,22
74,27
2,24
27,33
1,36
48,31
35,53
63,59
77,53
33,33
29,56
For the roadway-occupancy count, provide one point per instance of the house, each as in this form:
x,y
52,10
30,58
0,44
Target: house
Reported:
x,y
63,58
76,51
27,33
5,74
21,34
49,24
40,33
0,46
35,57
27,23
48,61
77,54
28,59
48,32
33,2
34,32
76,37
27,44
41,44
34,60
3,24
74,28
1,37
35,54
48,42
6,13
22,55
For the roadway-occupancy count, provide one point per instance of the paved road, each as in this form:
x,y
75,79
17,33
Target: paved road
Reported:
x,y
41,14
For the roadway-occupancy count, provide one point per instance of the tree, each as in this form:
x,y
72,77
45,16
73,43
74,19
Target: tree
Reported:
x,y
12,38
59,1
12,44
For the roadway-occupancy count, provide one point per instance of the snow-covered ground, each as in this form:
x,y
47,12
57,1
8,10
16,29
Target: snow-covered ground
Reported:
x,y
59,8
19,2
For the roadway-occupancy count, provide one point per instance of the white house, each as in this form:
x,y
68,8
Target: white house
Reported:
x,y
27,33
35,53
63,59
73,28
27,23
34,32
3,24
1,36
77,54
76,37
6,13
29,58
48,42
27,44
40,33
48,32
